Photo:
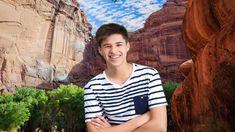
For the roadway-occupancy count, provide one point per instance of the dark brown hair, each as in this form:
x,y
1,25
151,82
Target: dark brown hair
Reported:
x,y
108,29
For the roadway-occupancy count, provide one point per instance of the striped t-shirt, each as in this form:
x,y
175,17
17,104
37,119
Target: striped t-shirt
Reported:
x,y
120,103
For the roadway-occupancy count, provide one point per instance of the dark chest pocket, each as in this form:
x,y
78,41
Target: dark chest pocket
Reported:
x,y
141,104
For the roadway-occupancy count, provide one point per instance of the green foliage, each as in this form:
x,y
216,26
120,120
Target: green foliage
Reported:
x,y
169,88
36,102
26,95
13,114
31,109
66,104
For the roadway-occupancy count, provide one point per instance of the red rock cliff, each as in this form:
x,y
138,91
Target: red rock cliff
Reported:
x,y
159,44
205,100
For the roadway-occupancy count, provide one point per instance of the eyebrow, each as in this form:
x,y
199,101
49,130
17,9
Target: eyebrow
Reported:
x,y
105,44
115,43
119,43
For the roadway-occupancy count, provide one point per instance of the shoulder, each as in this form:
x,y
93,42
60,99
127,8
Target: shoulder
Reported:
x,y
97,80
145,69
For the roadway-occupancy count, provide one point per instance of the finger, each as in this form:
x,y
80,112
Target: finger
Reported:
x,y
102,118
105,121
97,125
98,121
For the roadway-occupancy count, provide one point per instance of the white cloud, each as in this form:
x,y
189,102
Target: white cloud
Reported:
x,y
84,3
108,19
128,18
129,3
100,16
149,9
131,13
133,23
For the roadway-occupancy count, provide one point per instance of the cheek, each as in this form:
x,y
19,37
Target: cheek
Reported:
x,y
103,54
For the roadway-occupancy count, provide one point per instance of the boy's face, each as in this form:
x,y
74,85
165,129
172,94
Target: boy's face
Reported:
x,y
114,50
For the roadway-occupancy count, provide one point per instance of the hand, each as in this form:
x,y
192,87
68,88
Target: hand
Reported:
x,y
100,122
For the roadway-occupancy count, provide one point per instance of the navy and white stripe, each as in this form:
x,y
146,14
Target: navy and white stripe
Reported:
x,y
102,97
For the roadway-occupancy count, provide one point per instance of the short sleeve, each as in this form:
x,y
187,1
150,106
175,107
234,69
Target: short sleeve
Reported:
x,y
91,104
156,93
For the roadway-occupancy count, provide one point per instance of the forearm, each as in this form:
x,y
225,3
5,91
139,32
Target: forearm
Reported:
x,y
125,127
151,126
157,122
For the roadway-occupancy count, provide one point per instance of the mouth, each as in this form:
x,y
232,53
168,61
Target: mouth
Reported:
x,y
114,56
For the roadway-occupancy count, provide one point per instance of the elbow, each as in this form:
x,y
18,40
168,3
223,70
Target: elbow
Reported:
x,y
160,129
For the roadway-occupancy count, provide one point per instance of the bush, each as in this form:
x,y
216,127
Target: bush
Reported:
x,y
13,114
31,109
169,88
36,101
66,104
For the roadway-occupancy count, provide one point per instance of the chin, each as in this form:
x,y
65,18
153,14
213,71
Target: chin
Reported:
x,y
115,64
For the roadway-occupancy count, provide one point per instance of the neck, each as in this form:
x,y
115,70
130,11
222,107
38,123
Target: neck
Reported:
x,y
119,71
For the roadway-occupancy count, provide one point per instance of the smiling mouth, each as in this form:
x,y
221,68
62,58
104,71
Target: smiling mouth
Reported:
x,y
114,56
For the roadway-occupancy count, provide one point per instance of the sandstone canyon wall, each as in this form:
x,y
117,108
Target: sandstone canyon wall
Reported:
x,y
40,41
205,100
158,44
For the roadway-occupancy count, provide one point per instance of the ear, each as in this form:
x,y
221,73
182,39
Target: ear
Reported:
x,y
128,46
99,50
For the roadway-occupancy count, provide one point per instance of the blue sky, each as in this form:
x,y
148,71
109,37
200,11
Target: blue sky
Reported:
x,y
130,13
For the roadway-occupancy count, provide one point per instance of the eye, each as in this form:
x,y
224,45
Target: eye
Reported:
x,y
119,44
107,46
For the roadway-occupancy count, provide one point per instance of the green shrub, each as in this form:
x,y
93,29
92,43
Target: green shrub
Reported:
x,y
32,109
36,101
169,88
66,104
12,114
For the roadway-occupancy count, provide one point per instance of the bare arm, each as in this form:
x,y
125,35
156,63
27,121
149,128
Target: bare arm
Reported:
x,y
157,122
125,127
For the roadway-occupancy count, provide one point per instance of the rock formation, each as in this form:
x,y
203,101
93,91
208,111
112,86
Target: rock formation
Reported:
x,y
159,44
205,100
40,41
186,67
91,65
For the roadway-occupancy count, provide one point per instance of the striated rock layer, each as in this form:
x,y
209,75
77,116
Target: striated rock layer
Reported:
x,y
205,100
40,41
159,44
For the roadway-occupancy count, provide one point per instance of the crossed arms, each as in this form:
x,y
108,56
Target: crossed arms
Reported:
x,y
153,121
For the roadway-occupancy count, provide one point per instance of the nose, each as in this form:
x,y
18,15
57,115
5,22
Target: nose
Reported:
x,y
113,49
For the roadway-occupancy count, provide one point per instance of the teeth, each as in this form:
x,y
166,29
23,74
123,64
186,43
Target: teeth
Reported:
x,y
113,57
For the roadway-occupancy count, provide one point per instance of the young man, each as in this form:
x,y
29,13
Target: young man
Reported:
x,y
125,97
